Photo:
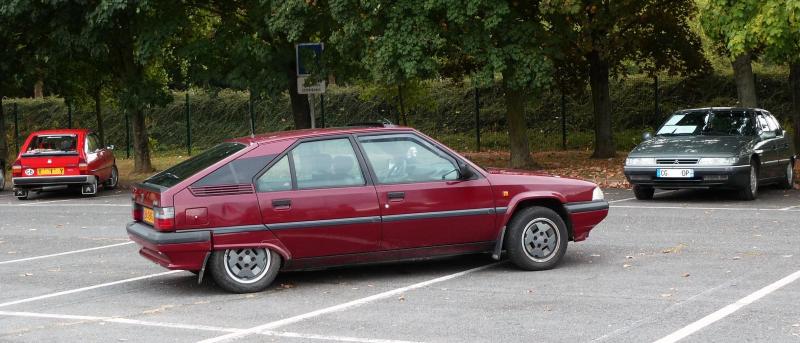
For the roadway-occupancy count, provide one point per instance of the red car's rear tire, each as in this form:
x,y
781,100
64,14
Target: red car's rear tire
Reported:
x,y
112,181
244,270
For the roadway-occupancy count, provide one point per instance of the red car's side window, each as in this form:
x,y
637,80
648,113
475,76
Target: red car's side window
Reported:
x,y
403,159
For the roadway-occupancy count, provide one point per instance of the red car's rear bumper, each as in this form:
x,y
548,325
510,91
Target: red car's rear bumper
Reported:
x,y
584,216
172,250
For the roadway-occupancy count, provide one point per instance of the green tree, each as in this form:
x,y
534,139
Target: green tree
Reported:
x,y
599,38
482,40
776,26
728,23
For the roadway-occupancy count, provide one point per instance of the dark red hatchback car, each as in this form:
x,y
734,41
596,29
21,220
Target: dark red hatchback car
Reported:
x,y
247,208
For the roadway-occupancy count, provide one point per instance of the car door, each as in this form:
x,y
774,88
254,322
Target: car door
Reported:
x,y
318,201
423,202
767,147
104,156
93,158
783,150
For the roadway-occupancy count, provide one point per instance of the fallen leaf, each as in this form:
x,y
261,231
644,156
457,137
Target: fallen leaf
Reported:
x,y
401,298
628,257
666,295
626,265
686,275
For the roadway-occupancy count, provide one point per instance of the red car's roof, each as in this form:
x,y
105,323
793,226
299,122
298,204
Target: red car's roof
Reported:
x,y
294,134
61,132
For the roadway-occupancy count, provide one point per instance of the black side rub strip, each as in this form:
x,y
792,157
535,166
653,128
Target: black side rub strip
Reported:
x,y
320,223
147,233
440,214
588,206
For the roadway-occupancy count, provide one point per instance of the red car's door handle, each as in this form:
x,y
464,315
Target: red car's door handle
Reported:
x,y
281,204
396,196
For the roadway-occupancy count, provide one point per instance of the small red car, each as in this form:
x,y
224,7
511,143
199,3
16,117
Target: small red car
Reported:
x,y
309,199
66,157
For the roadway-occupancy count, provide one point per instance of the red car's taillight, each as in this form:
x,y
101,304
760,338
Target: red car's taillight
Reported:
x,y
16,169
83,167
138,212
164,218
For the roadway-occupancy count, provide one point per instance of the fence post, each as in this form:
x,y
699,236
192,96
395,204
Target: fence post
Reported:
x,y
563,121
188,126
477,120
127,136
322,110
69,115
16,128
655,91
252,115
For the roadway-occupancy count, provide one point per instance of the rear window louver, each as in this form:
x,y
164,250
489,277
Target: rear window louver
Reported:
x,y
207,191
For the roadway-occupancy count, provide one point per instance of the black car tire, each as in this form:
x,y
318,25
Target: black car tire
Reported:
x,y
643,192
788,177
750,189
526,237
112,181
2,177
224,277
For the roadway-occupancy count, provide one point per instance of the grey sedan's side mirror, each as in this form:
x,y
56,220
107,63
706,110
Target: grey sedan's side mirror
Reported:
x,y
647,135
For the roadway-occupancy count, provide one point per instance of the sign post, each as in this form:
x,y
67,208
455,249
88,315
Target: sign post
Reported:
x,y
308,63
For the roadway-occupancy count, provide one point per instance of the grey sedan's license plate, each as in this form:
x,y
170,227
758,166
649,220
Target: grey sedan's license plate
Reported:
x,y
675,173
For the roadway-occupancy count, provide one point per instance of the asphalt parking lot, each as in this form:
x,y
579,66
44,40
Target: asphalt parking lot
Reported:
x,y
696,265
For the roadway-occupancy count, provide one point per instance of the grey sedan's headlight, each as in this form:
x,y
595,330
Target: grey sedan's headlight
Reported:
x,y
640,161
718,161
597,194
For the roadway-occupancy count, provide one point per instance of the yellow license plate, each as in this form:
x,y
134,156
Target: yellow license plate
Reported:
x,y
148,216
50,171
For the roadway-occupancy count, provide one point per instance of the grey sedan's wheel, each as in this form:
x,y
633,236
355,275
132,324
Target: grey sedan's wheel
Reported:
x,y
643,193
750,189
537,238
244,270
2,178
788,177
112,182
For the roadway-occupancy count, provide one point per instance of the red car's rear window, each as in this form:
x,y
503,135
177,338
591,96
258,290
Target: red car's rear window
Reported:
x,y
185,169
52,145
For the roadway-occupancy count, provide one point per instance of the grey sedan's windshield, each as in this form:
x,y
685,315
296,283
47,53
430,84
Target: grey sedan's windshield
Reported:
x,y
716,123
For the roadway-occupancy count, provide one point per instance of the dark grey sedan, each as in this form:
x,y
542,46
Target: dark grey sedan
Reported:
x,y
718,147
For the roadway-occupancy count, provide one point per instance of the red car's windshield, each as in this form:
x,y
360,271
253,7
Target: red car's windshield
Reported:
x,y
52,145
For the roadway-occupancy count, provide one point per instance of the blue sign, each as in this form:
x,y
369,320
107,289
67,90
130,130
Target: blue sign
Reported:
x,y
308,57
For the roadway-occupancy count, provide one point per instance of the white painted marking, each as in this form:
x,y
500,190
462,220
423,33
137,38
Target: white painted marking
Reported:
x,y
76,199
341,307
727,310
68,205
789,208
634,198
117,320
331,338
83,289
65,253
705,208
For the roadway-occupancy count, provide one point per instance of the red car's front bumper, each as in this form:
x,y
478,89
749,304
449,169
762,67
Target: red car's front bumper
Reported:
x,y
172,250
584,216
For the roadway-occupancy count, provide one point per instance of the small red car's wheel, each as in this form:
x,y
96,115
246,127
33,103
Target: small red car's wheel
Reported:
x,y
537,238
244,270
112,181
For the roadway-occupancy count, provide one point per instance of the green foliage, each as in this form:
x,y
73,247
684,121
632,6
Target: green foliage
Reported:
x,y
777,28
729,24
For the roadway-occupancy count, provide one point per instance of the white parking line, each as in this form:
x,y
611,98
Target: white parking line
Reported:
x,y
707,208
727,310
83,289
192,327
65,253
77,199
789,208
341,307
634,198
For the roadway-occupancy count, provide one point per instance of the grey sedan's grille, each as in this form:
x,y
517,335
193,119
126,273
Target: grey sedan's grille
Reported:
x,y
676,161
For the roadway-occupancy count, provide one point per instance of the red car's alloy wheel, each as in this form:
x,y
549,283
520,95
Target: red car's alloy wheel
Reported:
x,y
541,239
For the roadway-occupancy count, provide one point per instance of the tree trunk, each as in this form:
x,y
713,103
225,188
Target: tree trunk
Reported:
x,y
99,116
794,83
300,108
517,129
141,148
745,82
601,100
3,136
38,89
